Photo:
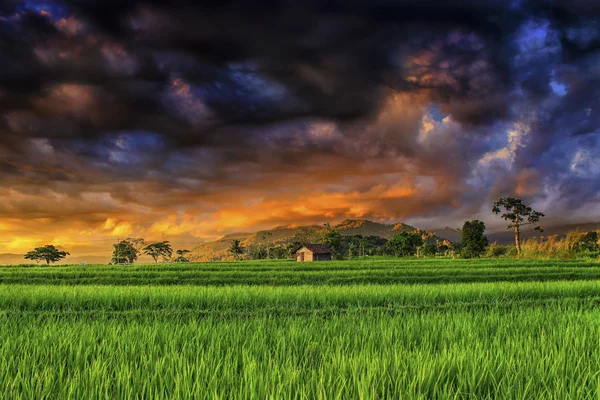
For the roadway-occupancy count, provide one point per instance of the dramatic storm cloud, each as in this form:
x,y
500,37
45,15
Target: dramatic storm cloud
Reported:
x,y
188,119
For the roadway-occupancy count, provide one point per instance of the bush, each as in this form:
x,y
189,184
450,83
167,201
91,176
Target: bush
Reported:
x,y
498,250
429,250
588,245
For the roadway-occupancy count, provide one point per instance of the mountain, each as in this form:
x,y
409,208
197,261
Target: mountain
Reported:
x,y
285,234
369,228
452,234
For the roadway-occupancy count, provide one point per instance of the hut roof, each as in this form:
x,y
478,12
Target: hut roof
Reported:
x,y
315,248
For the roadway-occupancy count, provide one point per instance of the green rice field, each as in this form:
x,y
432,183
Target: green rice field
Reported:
x,y
359,329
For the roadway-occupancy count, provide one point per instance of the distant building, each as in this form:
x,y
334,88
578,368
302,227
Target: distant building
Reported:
x,y
312,252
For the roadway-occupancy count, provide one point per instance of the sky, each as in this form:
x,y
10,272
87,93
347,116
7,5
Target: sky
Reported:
x,y
188,120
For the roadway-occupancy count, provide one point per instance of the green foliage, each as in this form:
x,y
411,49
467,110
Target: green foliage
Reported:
x,y
429,250
332,238
517,212
497,250
48,253
280,252
361,245
589,245
404,243
127,251
473,240
258,252
237,249
159,249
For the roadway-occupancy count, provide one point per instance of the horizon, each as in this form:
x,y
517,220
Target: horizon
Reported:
x,y
101,253
188,122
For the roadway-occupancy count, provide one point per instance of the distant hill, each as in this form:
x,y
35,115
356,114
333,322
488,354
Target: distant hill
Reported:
x,y
452,234
285,234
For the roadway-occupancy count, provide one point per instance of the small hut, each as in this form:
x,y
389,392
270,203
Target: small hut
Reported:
x,y
312,252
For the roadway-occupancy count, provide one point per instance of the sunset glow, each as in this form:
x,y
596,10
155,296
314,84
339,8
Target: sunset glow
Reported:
x,y
150,121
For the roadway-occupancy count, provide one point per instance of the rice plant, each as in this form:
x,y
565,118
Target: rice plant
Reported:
x,y
484,329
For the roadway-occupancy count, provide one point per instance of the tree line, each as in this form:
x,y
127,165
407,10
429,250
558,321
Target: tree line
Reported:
x,y
419,243
127,251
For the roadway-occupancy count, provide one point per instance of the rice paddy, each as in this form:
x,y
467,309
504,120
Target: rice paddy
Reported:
x,y
387,328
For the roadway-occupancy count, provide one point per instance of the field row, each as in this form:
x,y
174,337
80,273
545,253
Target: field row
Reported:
x,y
547,352
253,300
287,273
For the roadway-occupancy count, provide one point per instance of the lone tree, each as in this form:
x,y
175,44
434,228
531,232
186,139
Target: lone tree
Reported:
x,y
48,253
126,251
236,249
181,256
159,249
473,241
517,212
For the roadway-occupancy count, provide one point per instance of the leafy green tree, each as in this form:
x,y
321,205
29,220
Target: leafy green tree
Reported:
x,y
126,251
290,248
237,249
332,238
404,243
258,252
159,249
473,241
279,252
517,212
181,256
48,253
137,243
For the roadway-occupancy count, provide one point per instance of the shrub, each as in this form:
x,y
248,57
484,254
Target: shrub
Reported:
x,y
588,245
499,250
428,250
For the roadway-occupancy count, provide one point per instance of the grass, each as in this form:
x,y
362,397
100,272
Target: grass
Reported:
x,y
287,273
533,334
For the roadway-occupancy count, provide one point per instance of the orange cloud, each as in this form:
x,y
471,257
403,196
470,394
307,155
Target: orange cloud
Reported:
x,y
527,182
